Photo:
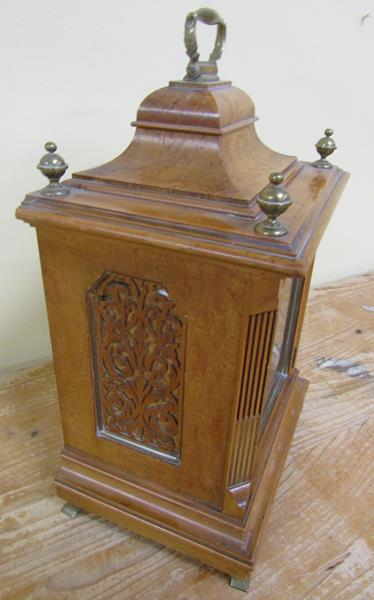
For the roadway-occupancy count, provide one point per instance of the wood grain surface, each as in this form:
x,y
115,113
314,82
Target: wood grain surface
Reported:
x,y
318,544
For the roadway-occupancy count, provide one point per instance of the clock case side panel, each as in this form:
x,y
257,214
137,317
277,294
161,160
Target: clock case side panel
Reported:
x,y
71,263
261,401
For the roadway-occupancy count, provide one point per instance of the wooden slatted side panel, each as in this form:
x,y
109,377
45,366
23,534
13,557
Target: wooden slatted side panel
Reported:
x,y
252,390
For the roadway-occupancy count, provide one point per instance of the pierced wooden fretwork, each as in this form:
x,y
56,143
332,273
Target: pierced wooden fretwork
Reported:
x,y
138,362
257,354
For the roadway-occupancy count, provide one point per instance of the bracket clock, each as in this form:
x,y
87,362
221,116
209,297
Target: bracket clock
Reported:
x,y
176,278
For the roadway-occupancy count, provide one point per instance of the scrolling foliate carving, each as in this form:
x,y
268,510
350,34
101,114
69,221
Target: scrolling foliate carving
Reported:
x,y
138,356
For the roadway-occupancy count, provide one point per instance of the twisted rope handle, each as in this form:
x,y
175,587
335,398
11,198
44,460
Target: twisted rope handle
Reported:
x,y
209,17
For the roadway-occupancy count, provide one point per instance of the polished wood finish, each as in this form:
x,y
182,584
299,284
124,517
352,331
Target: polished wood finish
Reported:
x,y
184,200
318,542
196,139
226,233
162,302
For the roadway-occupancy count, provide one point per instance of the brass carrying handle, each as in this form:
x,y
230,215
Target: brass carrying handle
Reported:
x,y
209,17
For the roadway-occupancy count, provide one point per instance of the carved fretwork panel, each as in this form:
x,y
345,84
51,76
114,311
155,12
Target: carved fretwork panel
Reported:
x,y
138,362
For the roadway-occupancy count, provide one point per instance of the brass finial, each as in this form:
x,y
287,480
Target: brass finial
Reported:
x,y
198,70
325,146
273,201
53,166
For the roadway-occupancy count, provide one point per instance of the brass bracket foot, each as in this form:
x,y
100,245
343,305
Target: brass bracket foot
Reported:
x,y
70,510
239,584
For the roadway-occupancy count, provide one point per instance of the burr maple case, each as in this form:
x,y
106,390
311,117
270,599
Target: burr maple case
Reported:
x,y
175,308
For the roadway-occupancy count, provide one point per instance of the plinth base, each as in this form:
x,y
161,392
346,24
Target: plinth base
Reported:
x,y
224,542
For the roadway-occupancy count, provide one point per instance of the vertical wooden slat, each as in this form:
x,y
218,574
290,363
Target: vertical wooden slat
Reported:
x,y
252,390
251,399
241,404
260,395
268,350
245,433
253,332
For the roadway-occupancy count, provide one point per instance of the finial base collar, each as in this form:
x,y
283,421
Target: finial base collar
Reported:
x,y
271,228
322,163
55,189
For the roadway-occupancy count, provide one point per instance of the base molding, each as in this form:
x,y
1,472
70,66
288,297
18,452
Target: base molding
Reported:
x,y
223,542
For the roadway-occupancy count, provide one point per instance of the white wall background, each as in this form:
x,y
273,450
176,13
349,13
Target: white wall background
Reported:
x,y
75,72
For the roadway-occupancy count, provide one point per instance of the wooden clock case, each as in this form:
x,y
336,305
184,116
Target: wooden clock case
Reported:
x,y
175,326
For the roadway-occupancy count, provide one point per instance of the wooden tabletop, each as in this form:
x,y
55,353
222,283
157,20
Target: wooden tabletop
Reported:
x,y
318,544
